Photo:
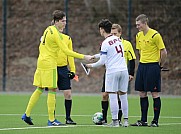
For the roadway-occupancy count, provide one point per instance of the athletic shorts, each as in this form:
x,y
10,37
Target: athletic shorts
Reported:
x,y
148,77
117,81
63,78
45,78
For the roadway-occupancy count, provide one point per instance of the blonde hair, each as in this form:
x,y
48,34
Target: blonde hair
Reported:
x,y
143,18
117,26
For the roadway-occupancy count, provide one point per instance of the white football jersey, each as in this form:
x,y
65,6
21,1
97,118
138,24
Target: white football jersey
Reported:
x,y
112,47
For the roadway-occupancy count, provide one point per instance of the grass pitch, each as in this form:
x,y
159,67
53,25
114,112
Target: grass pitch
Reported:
x,y
12,106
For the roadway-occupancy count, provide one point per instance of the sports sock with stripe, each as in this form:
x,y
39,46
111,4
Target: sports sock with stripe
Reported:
x,y
120,111
124,105
33,100
105,105
51,101
113,99
68,105
144,108
156,107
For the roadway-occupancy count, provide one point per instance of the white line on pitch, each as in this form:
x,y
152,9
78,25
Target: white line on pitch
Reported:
x,y
171,117
168,124
24,128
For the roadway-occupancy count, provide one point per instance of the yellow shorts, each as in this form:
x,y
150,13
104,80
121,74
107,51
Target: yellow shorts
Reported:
x,y
45,78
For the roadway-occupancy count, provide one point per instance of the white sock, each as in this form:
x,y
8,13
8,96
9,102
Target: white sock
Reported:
x,y
114,105
124,105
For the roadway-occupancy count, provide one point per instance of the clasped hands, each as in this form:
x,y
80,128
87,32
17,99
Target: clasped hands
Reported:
x,y
89,58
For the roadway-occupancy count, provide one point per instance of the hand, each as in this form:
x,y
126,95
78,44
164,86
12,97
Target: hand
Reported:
x,y
93,58
71,75
130,77
88,65
88,57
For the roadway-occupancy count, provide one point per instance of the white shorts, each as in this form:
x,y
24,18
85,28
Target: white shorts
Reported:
x,y
117,81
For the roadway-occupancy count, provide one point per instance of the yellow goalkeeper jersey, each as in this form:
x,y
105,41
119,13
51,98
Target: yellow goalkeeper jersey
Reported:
x,y
128,50
149,46
63,59
51,42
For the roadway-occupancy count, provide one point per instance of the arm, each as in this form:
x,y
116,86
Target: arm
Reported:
x,y
163,55
132,67
96,56
68,52
131,59
71,59
161,46
59,40
100,62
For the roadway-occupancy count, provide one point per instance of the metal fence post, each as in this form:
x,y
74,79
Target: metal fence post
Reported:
x,y
4,45
66,12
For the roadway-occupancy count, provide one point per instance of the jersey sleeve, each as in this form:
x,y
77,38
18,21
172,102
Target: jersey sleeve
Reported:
x,y
71,59
137,41
159,41
65,49
100,62
104,49
131,54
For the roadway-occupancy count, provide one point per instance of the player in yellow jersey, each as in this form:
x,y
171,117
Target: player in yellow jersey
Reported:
x,y
148,78
46,73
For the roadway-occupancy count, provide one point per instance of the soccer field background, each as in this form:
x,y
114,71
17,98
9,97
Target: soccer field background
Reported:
x,y
84,106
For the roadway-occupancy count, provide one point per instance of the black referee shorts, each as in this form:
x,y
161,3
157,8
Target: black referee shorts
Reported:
x,y
148,77
63,79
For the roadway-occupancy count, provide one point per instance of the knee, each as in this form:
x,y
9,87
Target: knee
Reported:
x,y
121,93
52,89
67,95
105,96
155,94
143,94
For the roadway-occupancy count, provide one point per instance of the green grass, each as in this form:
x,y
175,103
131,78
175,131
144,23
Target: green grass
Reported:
x,y
12,106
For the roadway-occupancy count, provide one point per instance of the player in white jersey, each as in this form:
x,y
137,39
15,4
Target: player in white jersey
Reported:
x,y
116,81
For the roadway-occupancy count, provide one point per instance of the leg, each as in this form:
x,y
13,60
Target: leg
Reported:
x,y
123,87
68,106
114,109
124,107
104,102
156,107
120,111
64,84
68,102
155,89
141,85
144,104
105,105
51,102
33,100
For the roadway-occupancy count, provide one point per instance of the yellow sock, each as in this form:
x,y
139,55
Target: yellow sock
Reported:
x,y
34,98
51,100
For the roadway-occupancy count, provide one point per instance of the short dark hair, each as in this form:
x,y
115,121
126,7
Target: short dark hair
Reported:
x,y
106,25
58,15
